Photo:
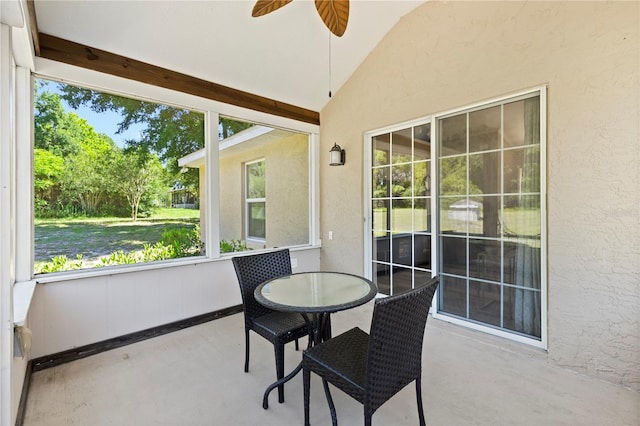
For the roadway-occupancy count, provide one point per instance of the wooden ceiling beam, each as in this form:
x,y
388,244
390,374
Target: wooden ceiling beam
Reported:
x,y
33,22
61,50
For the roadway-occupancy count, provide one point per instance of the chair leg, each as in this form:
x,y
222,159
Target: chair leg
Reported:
x,y
279,352
419,397
297,348
306,384
246,350
367,418
332,407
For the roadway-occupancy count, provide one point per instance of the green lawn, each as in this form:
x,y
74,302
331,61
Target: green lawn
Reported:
x,y
522,222
95,237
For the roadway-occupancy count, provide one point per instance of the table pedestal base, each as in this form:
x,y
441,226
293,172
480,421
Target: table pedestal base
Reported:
x,y
319,330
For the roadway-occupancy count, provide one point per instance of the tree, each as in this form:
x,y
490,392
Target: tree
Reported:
x,y
47,174
171,133
139,174
70,158
54,129
88,176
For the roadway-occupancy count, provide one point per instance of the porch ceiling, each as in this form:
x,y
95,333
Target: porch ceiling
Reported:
x,y
283,56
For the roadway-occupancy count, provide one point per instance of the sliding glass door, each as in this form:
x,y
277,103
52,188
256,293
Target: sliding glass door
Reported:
x,y
489,221
401,208
468,207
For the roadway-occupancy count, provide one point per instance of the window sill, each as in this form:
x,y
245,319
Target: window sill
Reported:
x,y
120,269
127,269
22,296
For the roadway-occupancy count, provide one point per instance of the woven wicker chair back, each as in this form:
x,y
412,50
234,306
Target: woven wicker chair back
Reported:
x,y
395,344
255,269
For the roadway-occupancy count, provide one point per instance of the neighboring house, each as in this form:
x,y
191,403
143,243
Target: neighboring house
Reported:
x,y
273,164
182,198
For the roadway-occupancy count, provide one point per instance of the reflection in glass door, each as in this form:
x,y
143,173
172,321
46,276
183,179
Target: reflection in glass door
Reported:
x,y
489,201
401,208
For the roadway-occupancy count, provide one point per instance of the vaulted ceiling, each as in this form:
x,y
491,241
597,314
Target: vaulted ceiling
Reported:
x,y
288,56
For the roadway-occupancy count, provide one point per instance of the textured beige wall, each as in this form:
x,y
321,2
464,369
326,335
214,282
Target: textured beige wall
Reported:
x,y
231,195
288,204
448,55
287,187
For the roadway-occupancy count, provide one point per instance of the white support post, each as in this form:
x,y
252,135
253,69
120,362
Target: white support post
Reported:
x,y
211,186
314,189
24,175
6,239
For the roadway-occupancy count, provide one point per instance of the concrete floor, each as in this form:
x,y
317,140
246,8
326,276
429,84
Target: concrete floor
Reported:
x,y
195,376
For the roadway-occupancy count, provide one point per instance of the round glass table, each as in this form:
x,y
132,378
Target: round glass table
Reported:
x,y
315,295
315,292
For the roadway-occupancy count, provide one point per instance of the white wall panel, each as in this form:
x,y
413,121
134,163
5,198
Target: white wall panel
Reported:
x,y
193,293
121,311
77,312
147,298
222,287
169,293
60,316
91,309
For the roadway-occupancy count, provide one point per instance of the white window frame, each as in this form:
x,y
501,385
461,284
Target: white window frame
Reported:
x,y
57,71
433,119
248,201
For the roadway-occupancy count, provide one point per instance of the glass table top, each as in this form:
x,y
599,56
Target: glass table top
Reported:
x,y
315,292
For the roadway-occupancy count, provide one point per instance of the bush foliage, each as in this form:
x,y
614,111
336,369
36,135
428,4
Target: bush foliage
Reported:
x,y
175,243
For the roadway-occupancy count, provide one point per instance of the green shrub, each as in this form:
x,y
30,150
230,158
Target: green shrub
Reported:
x,y
45,210
232,245
175,243
185,242
118,258
158,251
149,253
57,264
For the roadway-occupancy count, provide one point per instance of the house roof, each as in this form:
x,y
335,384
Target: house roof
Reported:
x,y
247,138
283,56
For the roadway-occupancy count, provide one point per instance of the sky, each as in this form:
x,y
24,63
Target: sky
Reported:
x,y
103,122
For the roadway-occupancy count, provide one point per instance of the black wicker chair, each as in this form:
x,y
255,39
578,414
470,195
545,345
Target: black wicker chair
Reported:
x,y
277,327
373,368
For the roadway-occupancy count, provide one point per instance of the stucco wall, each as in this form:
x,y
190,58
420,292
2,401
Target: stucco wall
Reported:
x,y
288,193
287,189
231,193
450,54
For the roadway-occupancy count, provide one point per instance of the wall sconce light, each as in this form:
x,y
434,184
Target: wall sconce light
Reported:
x,y
336,155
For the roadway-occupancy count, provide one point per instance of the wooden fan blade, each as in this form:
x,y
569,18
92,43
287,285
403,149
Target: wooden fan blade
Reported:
x,y
263,7
334,14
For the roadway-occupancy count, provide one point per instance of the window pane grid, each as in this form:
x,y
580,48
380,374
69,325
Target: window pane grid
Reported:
x,y
489,224
400,198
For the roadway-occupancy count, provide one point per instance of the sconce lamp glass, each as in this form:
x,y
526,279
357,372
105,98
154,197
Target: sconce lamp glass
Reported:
x,y
336,155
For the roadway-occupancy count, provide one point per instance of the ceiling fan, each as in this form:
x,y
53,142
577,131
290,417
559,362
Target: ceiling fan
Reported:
x,y
334,13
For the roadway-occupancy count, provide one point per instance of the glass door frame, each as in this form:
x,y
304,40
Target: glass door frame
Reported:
x,y
368,219
368,136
